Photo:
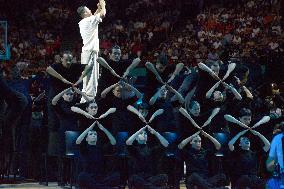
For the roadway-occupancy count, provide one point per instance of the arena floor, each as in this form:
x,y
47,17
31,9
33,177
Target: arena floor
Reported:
x,y
52,185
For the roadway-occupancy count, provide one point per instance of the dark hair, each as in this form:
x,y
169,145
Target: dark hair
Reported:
x,y
245,112
163,59
209,63
81,10
115,47
66,52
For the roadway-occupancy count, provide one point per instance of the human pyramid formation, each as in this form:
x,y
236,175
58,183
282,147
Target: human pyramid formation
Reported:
x,y
157,163
121,103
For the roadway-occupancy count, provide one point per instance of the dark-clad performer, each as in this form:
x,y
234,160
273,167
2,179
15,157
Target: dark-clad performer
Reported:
x,y
142,168
92,160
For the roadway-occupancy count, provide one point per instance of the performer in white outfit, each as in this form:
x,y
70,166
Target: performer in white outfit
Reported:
x,y
89,32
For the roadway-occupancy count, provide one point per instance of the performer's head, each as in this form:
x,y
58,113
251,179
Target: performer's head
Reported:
x,y
84,12
163,92
161,63
218,96
244,143
143,109
115,53
245,116
67,58
214,65
92,108
117,91
196,142
142,137
68,95
275,112
194,108
92,137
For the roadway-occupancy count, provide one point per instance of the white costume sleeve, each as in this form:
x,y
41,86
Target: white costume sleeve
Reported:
x,y
95,19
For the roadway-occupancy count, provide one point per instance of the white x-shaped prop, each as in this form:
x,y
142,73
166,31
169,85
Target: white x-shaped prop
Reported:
x,y
265,119
134,64
104,115
89,116
152,68
231,68
135,111
247,91
213,114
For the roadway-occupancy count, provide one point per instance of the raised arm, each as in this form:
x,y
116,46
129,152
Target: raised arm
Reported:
x,y
162,139
263,139
58,96
135,111
212,139
233,90
83,94
133,65
103,62
213,114
178,69
233,140
155,97
102,8
87,70
177,94
210,92
155,114
131,139
110,111
137,93
55,74
80,111
187,140
248,93
107,90
108,134
84,134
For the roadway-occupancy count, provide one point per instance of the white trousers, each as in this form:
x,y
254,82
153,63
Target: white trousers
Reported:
x,y
90,82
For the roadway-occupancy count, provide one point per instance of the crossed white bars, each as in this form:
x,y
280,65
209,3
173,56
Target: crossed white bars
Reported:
x,y
213,114
155,114
178,69
134,64
231,68
152,68
265,119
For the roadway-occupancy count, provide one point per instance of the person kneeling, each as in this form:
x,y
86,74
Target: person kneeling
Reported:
x,y
197,163
92,160
142,167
